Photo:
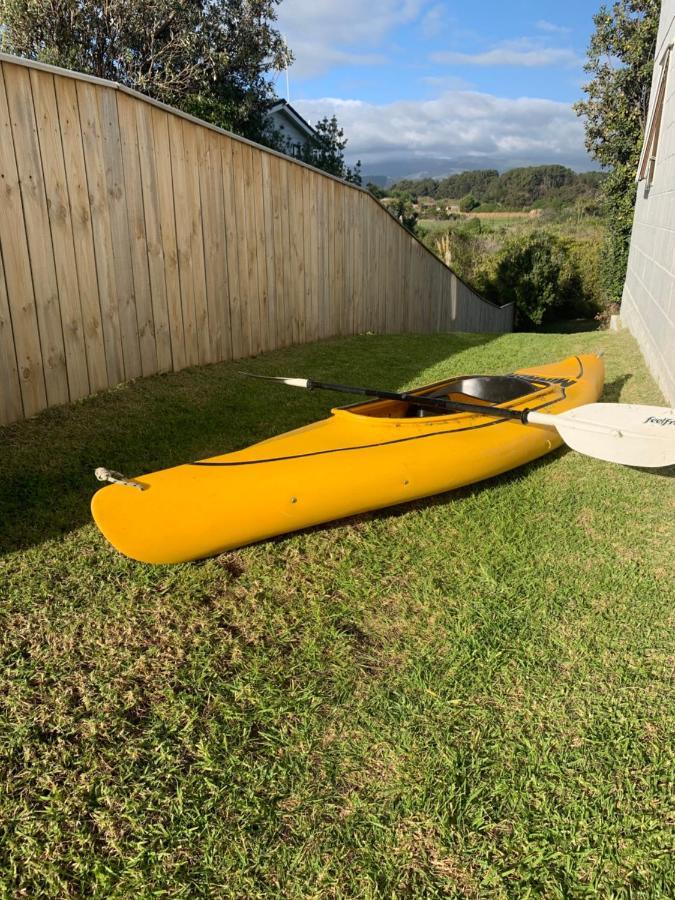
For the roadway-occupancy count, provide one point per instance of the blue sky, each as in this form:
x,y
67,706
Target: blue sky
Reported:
x,y
434,85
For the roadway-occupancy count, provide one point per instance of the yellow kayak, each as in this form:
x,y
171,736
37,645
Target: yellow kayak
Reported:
x,y
362,457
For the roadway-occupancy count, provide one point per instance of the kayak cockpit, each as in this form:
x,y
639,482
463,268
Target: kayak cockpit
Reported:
x,y
478,389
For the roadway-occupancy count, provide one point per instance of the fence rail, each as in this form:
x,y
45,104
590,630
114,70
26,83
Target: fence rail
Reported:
x,y
135,239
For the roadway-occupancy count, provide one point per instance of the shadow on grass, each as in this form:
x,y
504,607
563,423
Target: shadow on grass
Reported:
x,y
612,390
47,463
569,326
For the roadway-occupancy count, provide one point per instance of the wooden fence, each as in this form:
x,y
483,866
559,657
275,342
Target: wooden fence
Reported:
x,y
135,239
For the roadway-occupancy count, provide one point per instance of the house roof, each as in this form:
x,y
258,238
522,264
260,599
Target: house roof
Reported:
x,y
284,108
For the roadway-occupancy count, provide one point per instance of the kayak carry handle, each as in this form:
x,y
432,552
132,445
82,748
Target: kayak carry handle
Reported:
x,y
103,474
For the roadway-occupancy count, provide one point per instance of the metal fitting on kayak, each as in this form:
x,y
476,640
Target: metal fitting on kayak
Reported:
x,y
117,478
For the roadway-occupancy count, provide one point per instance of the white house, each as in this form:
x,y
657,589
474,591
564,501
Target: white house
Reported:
x,y
648,304
291,125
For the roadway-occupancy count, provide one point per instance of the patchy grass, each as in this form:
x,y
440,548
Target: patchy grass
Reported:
x,y
467,696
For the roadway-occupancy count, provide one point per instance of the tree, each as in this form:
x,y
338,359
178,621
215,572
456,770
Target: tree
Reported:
x,y
520,188
417,187
207,57
473,181
377,192
620,61
402,208
328,151
467,203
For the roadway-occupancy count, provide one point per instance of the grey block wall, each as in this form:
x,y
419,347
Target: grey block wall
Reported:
x,y
648,305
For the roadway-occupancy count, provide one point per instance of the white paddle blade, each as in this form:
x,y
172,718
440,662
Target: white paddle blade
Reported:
x,y
623,433
292,382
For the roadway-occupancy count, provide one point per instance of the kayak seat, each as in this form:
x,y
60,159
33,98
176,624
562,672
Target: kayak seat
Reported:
x,y
487,389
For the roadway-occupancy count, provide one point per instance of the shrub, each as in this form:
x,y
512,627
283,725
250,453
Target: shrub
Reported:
x,y
587,257
537,272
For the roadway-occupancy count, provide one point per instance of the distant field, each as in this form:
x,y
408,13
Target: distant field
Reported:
x,y
439,226
495,215
533,214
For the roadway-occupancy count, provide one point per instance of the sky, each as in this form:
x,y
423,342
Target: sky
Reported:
x,y
437,86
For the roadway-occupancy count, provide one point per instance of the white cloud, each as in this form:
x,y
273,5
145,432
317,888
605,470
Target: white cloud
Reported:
x,y
434,19
510,56
463,128
551,27
323,32
447,82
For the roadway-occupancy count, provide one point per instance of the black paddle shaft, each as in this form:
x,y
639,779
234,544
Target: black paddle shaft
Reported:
x,y
437,404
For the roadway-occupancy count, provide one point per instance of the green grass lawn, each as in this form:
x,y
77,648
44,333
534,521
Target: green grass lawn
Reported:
x,y
466,696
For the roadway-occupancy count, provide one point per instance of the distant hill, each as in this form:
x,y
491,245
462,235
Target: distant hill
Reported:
x,y
523,188
379,180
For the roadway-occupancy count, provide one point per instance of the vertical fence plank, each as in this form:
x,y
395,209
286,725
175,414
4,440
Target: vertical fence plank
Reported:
x,y
194,144
106,269
372,295
137,241
241,191
316,242
336,273
388,311
215,247
400,251
380,230
276,189
401,246
268,192
346,307
18,278
253,285
322,240
75,172
360,250
111,146
308,330
232,233
397,275
331,281
261,309
296,231
285,250
167,227
364,265
333,273
153,235
56,193
183,240
11,407
328,230
356,253
36,216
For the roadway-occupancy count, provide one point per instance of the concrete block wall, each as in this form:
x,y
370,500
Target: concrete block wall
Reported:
x,y
648,304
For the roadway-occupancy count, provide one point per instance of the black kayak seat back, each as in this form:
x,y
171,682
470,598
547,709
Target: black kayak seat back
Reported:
x,y
488,388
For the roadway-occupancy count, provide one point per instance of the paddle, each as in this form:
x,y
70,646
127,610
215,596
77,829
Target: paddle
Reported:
x,y
624,433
